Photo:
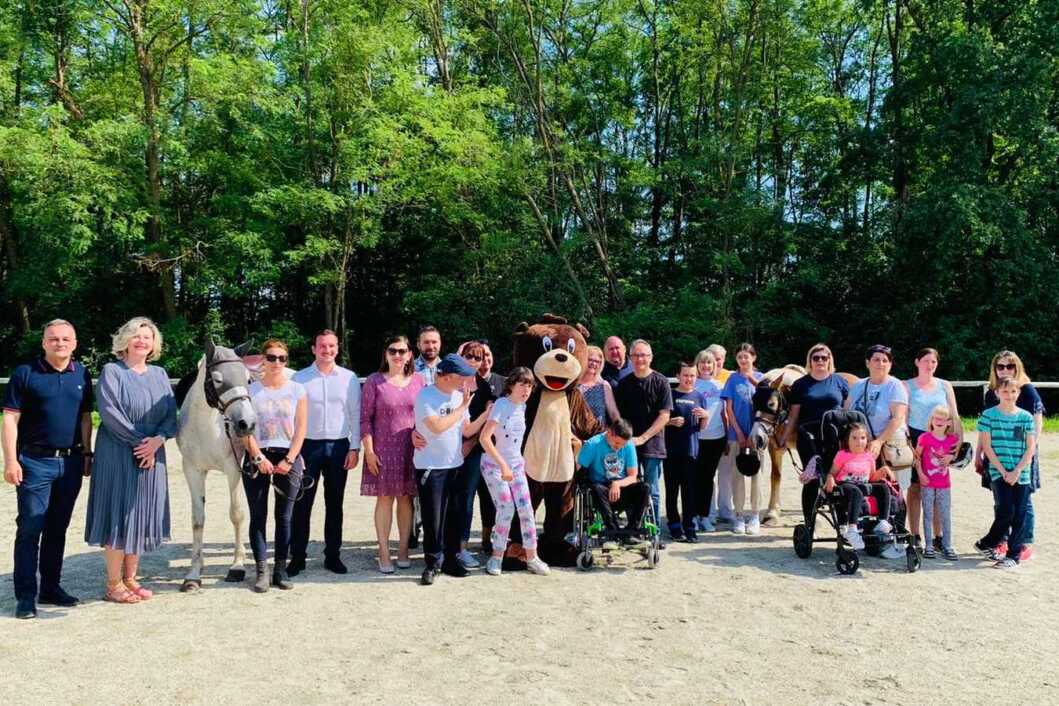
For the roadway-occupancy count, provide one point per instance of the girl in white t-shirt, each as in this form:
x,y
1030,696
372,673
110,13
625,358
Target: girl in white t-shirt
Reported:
x,y
504,471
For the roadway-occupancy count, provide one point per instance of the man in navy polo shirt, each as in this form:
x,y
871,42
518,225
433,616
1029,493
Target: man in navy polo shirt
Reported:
x,y
47,440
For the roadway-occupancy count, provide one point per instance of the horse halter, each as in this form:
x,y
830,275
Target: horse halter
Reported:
x,y
221,401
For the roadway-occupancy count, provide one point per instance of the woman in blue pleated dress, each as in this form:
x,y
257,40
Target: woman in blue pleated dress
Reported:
x,y
128,503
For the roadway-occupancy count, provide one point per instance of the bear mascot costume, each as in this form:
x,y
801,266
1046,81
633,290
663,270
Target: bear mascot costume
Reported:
x,y
557,421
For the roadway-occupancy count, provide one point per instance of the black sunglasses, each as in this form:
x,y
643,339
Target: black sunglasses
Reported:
x,y
473,357
396,351
275,358
821,358
1005,366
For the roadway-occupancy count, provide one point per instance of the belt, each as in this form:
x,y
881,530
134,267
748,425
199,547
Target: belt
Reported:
x,y
49,451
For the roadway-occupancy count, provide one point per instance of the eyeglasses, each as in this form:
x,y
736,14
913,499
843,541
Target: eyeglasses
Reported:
x,y
821,358
396,351
473,357
275,358
1005,366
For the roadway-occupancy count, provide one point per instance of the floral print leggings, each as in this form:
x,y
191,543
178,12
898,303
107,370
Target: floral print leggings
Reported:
x,y
509,496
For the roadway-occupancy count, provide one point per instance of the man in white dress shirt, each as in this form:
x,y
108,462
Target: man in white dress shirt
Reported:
x,y
331,449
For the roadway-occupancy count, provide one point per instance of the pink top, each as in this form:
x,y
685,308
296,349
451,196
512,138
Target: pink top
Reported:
x,y
387,413
933,448
854,467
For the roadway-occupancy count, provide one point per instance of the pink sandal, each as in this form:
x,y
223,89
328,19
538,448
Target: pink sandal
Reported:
x,y
136,589
119,593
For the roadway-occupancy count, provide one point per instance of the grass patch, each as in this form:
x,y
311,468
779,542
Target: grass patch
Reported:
x,y
1051,424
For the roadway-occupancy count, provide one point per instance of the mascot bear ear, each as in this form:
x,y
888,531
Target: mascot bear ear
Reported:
x,y
523,327
552,319
582,330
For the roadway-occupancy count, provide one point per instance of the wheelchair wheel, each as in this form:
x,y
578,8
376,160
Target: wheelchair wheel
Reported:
x,y
417,525
847,562
803,542
585,560
653,557
912,560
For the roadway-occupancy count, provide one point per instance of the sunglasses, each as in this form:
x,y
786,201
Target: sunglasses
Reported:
x,y
821,358
396,351
1005,366
473,357
275,358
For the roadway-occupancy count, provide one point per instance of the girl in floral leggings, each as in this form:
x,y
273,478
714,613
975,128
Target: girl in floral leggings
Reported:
x,y
503,470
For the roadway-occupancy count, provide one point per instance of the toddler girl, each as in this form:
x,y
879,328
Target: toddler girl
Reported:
x,y
852,473
935,450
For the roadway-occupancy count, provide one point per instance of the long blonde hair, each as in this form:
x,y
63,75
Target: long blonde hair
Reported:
x,y
1020,370
816,349
121,338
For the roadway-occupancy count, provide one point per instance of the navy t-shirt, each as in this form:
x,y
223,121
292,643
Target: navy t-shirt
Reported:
x,y
683,442
818,396
50,403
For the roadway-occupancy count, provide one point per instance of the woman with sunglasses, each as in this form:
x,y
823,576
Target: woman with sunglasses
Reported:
x,y
926,392
1006,364
387,418
473,352
598,394
273,460
818,391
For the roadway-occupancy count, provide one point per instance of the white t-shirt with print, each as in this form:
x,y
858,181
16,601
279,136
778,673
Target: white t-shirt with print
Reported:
x,y
275,410
510,421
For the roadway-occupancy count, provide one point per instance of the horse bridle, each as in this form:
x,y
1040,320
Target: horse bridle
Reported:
x,y
222,401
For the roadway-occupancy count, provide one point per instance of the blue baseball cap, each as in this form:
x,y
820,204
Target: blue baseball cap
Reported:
x,y
453,363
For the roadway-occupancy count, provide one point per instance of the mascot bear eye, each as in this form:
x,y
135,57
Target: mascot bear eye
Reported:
x,y
547,343
571,345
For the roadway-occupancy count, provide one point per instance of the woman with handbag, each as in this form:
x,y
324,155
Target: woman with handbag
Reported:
x,y
925,393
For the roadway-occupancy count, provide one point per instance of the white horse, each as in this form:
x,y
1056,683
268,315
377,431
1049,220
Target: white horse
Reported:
x,y
214,418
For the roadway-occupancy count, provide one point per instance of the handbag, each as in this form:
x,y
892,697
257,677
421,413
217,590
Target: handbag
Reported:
x,y
896,451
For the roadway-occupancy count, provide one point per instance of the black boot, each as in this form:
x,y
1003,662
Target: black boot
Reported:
x,y
296,566
280,580
261,584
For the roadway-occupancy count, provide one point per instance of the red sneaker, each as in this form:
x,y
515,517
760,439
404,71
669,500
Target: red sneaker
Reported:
x,y
1026,554
1002,549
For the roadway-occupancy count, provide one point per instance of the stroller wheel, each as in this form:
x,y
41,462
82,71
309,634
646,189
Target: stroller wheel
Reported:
x,y
912,559
653,557
585,560
803,542
847,562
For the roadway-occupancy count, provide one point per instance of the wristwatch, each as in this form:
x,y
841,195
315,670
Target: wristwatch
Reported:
x,y
288,462
258,459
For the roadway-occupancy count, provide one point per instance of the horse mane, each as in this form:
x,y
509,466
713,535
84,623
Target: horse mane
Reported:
x,y
785,375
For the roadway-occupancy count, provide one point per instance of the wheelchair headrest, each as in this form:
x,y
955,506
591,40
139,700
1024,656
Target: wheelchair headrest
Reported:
x,y
835,424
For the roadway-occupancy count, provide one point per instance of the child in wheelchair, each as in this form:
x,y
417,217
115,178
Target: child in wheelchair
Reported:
x,y
607,468
853,473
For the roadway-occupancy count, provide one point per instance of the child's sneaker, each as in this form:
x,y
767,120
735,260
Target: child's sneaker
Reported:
x,y
1026,553
892,551
992,553
929,553
536,566
1002,548
706,525
753,526
883,527
1007,563
494,566
738,526
950,554
467,560
853,538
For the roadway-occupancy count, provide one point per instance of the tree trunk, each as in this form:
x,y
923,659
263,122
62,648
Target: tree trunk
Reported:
x,y
8,236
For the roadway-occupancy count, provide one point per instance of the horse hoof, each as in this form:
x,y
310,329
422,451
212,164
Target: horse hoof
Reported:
x,y
235,575
190,585
772,518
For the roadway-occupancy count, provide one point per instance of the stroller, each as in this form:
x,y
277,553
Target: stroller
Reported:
x,y
826,438
590,534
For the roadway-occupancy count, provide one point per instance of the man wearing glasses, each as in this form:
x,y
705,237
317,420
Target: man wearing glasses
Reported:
x,y
331,449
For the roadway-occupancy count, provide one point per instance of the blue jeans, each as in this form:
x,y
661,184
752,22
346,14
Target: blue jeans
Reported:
x,y
322,458
1010,519
474,485
651,470
1030,523
46,498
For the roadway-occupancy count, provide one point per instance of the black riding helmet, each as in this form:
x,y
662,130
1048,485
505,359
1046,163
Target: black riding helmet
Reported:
x,y
748,462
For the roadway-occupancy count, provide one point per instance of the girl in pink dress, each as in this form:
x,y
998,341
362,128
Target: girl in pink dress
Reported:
x,y
387,418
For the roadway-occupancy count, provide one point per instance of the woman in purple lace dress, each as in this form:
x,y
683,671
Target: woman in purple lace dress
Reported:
x,y
387,418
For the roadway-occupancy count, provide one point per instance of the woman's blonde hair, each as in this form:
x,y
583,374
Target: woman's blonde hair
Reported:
x,y
1020,370
121,338
942,412
816,349
703,355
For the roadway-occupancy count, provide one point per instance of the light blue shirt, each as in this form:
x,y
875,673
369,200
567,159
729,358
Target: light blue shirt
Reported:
x,y
711,390
444,450
427,372
875,400
334,404
604,464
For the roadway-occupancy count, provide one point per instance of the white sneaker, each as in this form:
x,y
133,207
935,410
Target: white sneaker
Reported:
x,y
753,526
467,560
493,566
1007,564
536,566
892,551
851,535
883,527
738,526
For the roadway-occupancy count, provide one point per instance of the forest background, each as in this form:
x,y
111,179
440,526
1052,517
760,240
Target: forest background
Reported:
x,y
688,171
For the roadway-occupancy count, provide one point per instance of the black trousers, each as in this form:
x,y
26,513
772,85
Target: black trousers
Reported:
x,y
854,493
680,476
322,459
710,452
286,490
440,497
633,501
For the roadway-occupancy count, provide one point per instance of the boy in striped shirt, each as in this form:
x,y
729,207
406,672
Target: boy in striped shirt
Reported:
x,y
1007,435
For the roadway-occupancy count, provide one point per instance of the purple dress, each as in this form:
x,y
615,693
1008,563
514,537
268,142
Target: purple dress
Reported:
x,y
387,413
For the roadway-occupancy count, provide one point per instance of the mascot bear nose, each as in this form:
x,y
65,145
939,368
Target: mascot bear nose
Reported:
x,y
561,357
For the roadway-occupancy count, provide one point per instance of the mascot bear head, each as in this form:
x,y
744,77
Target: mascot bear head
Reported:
x,y
554,350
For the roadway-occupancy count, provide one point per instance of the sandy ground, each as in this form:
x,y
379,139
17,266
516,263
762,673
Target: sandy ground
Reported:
x,y
729,620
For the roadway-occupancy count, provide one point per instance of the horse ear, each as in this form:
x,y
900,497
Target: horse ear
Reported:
x,y
243,348
210,349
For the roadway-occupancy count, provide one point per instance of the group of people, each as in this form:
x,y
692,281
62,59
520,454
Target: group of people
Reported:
x,y
448,429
